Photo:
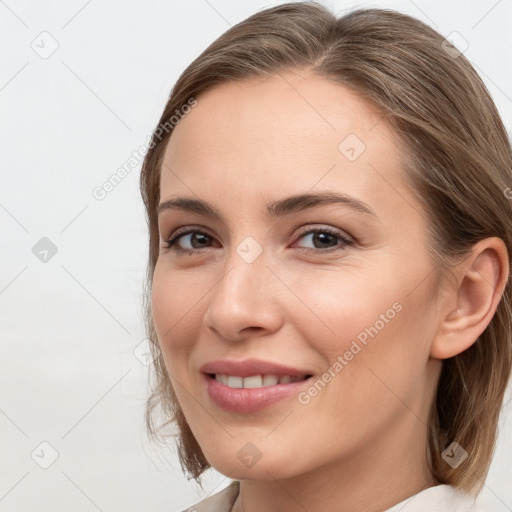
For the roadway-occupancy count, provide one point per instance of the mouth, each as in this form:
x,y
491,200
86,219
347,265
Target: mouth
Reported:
x,y
256,381
253,393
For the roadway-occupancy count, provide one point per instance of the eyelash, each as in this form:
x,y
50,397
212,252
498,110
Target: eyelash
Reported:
x,y
172,242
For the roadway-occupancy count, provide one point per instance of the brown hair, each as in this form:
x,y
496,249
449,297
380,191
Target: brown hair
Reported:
x,y
459,164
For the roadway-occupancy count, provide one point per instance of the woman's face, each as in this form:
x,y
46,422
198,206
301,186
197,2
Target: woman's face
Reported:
x,y
353,305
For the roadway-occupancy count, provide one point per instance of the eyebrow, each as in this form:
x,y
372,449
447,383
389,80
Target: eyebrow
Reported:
x,y
278,208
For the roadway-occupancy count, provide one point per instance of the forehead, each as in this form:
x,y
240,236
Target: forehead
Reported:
x,y
279,136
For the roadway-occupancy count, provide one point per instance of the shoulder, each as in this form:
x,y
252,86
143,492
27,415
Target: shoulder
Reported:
x,y
221,501
441,498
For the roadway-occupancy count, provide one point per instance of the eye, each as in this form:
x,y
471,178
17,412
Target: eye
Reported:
x,y
195,239
325,236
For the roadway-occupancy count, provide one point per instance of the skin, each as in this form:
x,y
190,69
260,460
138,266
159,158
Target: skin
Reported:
x,y
360,443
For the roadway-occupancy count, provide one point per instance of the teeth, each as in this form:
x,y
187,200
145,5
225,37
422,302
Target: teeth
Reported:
x,y
254,381
270,380
235,382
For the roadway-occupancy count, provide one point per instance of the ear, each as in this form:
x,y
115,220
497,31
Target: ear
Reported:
x,y
471,298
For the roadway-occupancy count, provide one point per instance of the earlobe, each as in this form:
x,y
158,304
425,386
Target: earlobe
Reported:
x,y
476,293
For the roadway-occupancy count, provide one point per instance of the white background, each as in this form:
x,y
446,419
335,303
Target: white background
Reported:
x,y
68,374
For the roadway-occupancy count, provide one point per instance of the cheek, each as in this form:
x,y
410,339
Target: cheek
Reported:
x,y
369,319
174,299
373,361
172,308
340,306
162,305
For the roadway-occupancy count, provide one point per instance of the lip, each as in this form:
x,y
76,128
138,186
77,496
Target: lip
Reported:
x,y
247,400
249,367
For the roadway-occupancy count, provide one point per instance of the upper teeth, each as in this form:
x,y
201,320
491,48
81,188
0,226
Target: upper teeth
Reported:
x,y
254,381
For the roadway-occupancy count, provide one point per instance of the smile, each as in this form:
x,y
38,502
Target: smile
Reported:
x,y
255,381
252,393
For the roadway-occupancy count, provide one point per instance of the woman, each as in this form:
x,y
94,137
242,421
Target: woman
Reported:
x,y
328,283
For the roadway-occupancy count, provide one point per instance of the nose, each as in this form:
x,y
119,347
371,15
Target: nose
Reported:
x,y
243,303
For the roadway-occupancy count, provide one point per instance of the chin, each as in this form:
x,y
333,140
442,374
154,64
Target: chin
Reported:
x,y
247,464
